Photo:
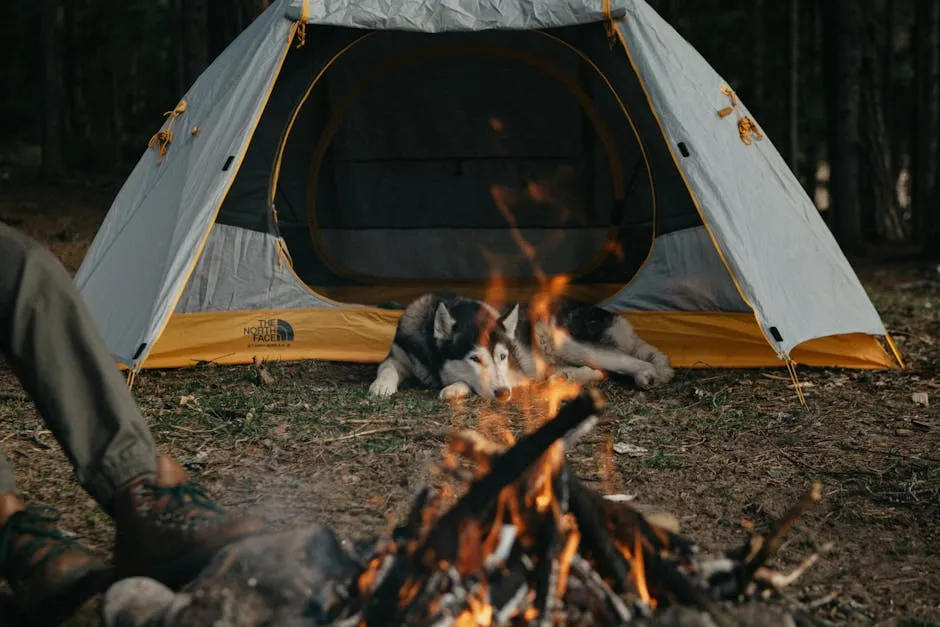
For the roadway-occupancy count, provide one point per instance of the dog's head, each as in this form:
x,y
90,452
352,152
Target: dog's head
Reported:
x,y
475,344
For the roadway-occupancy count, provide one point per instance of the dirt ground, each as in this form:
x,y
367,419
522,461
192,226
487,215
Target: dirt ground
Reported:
x,y
721,449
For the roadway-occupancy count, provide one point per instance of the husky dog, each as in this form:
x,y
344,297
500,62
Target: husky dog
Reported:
x,y
581,341
458,344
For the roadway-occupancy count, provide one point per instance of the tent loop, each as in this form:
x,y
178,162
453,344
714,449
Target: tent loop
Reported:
x,y
301,31
746,126
609,25
164,137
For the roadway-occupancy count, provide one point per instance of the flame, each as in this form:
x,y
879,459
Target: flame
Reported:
x,y
367,579
497,125
637,570
564,560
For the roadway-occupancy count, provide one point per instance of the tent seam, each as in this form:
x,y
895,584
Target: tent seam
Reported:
x,y
784,355
215,213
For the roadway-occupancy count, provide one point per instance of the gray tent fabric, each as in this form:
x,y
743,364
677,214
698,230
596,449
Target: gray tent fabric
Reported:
x,y
454,15
756,210
162,215
242,270
683,273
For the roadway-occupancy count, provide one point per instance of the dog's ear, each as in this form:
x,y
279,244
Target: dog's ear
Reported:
x,y
511,321
443,323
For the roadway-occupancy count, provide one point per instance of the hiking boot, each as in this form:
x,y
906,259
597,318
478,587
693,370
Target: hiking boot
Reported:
x,y
169,529
51,574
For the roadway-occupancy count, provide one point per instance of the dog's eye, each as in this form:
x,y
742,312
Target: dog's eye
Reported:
x,y
502,357
476,358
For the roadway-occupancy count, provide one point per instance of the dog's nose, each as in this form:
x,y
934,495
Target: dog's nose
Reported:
x,y
502,394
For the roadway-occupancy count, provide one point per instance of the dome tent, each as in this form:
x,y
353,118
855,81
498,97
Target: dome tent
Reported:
x,y
339,156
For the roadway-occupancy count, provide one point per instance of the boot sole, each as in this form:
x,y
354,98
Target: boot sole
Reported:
x,y
67,599
181,571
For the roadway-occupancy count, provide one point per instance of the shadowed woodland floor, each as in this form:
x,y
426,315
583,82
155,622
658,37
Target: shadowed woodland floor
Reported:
x,y
722,450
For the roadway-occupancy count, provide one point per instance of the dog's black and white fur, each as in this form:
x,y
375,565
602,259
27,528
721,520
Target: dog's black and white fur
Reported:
x,y
459,345
581,342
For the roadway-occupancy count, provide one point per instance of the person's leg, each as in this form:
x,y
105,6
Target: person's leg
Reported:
x,y
51,343
166,526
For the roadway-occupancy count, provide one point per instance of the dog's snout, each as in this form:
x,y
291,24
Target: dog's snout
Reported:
x,y
502,394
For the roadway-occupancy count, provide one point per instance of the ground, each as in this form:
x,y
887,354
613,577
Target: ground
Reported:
x,y
723,449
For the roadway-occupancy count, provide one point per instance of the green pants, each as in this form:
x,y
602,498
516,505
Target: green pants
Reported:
x,y
51,343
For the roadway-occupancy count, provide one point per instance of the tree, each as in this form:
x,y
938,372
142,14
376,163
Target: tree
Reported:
x,y
757,58
841,65
50,30
880,216
793,87
924,123
932,226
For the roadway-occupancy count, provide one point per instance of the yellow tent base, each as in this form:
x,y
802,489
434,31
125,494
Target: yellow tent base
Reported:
x,y
363,334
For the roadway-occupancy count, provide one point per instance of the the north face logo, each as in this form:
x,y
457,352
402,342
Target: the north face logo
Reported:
x,y
271,332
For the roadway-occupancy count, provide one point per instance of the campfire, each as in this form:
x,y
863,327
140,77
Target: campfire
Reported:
x,y
528,543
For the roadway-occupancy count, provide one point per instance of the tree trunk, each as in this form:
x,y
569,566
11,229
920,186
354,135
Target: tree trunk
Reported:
x,y
923,124
757,59
881,219
932,227
116,60
178,56
220,26
841,62
793,88
51,19
887,62
194,38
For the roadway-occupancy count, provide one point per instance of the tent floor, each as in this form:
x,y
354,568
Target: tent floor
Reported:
x,y
363,334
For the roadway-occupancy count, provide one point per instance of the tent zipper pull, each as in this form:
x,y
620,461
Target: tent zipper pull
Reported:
x,y
609,25
300,32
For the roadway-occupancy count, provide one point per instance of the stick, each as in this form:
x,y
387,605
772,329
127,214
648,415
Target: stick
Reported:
x,y
770,545
359,434
780,580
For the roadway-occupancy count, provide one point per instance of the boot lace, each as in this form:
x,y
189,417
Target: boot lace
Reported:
x,y
186,499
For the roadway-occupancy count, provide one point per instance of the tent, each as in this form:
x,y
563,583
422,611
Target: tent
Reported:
x,y
340,157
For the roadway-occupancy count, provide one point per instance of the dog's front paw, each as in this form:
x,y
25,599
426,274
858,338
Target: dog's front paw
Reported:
x,y
383,387
585,375
664,374
455,391
645,377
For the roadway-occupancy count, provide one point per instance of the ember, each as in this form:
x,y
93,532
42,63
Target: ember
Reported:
x,y
527,542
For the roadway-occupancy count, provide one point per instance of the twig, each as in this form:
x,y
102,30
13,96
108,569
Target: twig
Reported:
x,y
832,596
780,580
770,545
196,431
359,434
